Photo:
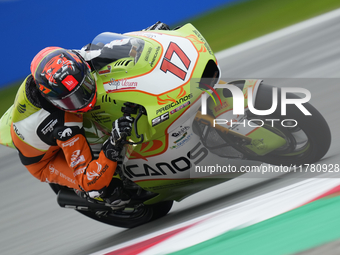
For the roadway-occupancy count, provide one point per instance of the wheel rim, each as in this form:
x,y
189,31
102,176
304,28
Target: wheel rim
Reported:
x,y
297,142
126,213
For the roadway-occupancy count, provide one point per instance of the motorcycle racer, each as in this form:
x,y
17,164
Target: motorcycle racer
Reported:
x,y
47,127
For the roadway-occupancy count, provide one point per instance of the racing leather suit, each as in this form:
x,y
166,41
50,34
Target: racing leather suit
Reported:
x,y
52,145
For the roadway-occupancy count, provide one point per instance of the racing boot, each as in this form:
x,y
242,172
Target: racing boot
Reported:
x,y
114,196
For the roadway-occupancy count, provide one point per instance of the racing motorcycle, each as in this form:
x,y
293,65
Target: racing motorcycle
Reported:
x,y
163,78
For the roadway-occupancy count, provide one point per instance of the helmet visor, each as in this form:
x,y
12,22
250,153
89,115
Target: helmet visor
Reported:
x,y
81,97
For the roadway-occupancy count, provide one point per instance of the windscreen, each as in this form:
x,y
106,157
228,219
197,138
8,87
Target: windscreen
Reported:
x,y
109,47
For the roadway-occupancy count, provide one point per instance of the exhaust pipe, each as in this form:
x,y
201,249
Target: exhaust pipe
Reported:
x,y
69,199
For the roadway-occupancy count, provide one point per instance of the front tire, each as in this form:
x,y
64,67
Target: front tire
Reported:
x,y
128,217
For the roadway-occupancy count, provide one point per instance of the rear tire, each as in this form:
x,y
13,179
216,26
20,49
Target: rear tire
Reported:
x,y
307,143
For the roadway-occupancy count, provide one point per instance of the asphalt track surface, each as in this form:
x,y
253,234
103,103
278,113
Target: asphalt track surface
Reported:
x,y
31,222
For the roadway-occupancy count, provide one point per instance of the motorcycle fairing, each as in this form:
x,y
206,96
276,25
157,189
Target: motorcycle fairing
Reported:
x,y
167,127
163,94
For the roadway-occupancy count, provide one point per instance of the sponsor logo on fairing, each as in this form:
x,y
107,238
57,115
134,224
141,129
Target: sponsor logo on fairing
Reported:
x,y
175,103
221,107
198,34
175,166
181,141
148,54
122,84
180,107
182,137
160,119
181,131
155,56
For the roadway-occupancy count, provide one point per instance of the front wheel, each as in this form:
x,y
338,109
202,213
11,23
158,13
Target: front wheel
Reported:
x,y
308,137
132,217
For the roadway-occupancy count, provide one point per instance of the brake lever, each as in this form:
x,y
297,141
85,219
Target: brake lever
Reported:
x,y
140,113
132,109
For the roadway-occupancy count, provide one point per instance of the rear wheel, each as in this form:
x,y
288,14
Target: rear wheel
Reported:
x,y
128,217
308,137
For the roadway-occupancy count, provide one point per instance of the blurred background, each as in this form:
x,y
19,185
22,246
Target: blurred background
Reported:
x,y
27,26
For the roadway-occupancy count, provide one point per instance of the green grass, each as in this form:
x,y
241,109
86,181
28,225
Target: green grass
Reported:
x,y
232,25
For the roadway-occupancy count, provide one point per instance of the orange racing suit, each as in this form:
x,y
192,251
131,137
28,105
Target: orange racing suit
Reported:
x,y
52,145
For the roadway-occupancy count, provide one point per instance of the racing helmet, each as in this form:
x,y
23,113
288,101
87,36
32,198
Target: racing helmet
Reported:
x,y
64,79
